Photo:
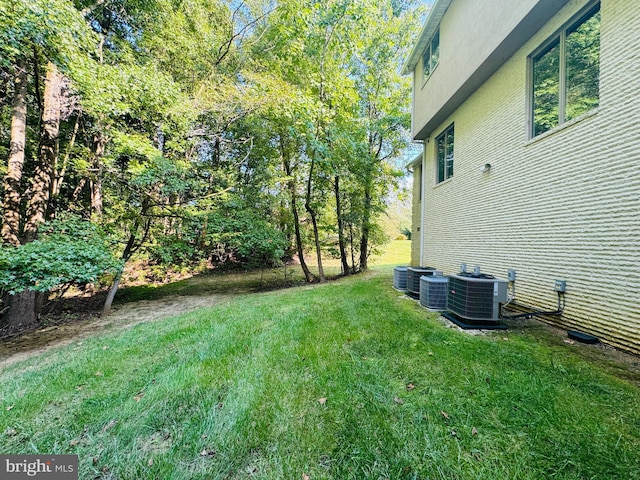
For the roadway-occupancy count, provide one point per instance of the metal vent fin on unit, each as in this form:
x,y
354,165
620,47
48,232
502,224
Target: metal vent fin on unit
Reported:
x,y
433,292
476,297
413,278
400,278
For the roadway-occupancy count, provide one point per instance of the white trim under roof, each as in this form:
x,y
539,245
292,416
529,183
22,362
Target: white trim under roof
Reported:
x,y
416,161
428,30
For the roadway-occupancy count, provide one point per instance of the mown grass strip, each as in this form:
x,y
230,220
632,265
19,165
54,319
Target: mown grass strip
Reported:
x,y
342,381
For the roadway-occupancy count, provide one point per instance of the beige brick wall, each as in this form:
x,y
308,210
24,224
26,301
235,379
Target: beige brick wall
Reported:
x,y
416,212
565,205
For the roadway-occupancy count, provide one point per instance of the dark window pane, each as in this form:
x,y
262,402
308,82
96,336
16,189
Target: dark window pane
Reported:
x,y
583,66
546,89
426,62
449,157
435,50
441,158
444,154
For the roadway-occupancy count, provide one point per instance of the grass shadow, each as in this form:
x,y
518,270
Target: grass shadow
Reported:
x,y
222,282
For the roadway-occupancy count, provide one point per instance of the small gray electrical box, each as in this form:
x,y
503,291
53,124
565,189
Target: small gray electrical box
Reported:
x,y
560,286
511,275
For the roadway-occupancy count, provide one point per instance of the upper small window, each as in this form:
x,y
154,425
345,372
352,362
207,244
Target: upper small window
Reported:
x,y
566,74
431,55
444,154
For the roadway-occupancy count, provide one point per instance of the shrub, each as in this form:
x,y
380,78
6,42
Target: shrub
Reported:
x,y
69,251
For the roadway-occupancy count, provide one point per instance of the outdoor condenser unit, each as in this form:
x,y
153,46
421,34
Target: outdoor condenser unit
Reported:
x,y
433,292
400,278
476,297
413,278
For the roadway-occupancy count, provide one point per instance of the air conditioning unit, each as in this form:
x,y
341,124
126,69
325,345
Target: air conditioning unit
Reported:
x,y
433,292
413,278
476,297
400,278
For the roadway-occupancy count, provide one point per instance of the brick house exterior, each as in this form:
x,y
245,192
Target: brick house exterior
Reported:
x,y
524,167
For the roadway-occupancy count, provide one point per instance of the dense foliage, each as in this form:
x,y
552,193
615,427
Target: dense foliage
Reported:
x,y
67,252
203,132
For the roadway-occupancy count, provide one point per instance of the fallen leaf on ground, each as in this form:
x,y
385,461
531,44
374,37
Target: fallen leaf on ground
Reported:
x,y
305,477
570,342
431,354
474,431
454,433
322,401
410,386
110,425
138,397
99,374
150,462
398,400
105,347
10,407
207,452
444,414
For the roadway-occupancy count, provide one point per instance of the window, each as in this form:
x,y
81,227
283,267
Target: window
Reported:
x,y
566,74
431,55
444,154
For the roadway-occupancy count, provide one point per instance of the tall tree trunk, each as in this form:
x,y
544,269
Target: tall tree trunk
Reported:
x,y
310,277
12,191
99,143
106,309
47,154
129,250
314,222
341,240
366,223
353,255
22,308
97,165
25,306
60,174
291,185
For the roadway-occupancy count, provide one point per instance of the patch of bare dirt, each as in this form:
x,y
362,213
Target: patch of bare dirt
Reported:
x,y
82,319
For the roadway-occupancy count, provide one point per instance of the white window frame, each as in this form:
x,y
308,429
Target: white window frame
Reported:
x,y
559,37
446,160
429,58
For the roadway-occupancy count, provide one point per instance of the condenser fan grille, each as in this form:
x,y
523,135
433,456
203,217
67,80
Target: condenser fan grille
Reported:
x,y
472,300
476,297
433,292
400,278
413,277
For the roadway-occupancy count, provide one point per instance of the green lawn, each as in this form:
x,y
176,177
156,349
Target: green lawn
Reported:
x,y
347,380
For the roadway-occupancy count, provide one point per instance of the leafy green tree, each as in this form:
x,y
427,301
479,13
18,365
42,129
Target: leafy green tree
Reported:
x,y
209,129
69,251
30,31
343,58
